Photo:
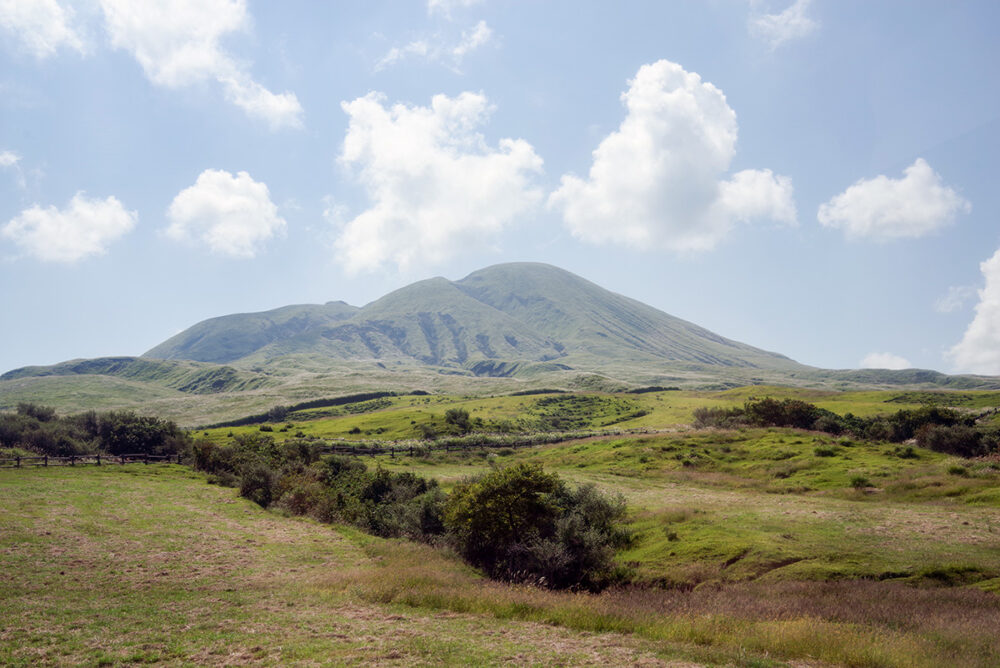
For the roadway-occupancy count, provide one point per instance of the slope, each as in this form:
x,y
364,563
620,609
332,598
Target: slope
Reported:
x,y
230,337
587,319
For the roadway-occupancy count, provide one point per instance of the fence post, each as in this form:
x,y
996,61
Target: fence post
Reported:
x,y
72,460
145,458
18,459
46,461
98,459
392,452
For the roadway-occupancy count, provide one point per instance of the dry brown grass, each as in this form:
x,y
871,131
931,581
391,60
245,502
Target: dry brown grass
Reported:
x,y
859,623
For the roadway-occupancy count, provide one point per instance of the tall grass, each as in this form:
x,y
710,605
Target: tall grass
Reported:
x,y
859,623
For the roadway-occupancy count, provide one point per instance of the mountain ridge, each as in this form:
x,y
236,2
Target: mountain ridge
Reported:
x,y
515,312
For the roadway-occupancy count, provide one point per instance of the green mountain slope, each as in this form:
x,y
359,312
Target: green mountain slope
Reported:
x,y
494,321
430,322
231,337
182,376
586,318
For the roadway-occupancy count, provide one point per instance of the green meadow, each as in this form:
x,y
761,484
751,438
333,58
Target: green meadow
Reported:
x,y
751,547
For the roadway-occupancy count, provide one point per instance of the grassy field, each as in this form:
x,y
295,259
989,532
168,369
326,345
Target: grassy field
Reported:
x,y
400,417
752,547
117,566
151,565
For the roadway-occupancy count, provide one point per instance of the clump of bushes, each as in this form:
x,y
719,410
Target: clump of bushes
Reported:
x,y
40,430
934,427
517,523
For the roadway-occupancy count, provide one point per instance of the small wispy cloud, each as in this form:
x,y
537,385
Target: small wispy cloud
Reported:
x,y
436,49
956,299
42,27
783,27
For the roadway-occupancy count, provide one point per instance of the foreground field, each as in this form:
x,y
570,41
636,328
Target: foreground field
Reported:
x,y
150,564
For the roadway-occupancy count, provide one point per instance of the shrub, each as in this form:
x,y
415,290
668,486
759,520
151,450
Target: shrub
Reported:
x,y
716,416
257,484
860,482
520,523
458,420
958,439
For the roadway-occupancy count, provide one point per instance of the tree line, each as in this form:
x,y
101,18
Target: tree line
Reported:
x,y
38,429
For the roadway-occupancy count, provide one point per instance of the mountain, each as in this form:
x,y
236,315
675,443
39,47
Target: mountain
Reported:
x,y
505,328
505,317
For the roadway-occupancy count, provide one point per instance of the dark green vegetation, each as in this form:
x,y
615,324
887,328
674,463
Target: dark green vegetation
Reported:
x,y
933,426
37,430
517,523
504,329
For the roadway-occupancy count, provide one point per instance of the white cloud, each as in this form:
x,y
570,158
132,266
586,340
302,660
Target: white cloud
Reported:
x,y
478,36
420,48
882,208
979,349
956,299
232,215
659,180
436,187
41,26
885,361
446,6
776,29
433,49
85,227
177,43
11,160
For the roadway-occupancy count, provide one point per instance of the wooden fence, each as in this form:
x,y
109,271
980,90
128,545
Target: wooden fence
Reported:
x,y
73,460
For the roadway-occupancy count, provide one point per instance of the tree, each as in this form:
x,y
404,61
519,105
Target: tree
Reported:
x,y
458,419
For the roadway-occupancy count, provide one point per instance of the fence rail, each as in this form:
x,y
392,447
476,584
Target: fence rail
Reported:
x,y
73,460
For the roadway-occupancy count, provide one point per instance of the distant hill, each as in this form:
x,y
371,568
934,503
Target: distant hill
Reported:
x,y
505,328
506,315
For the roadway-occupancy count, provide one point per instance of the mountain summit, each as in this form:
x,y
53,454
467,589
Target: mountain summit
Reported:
x,y
495,321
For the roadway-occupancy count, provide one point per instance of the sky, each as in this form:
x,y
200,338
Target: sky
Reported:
x,y
815,178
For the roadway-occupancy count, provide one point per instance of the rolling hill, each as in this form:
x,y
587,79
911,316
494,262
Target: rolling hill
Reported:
x,y
505,328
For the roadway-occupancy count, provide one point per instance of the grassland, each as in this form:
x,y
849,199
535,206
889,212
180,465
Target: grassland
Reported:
x,y
122,566
753,547
400,417
151,565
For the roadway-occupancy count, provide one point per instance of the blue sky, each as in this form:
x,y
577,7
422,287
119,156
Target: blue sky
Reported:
x,y
815,178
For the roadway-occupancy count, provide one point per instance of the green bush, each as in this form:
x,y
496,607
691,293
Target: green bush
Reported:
x,y
522,524
958,439
256,485
860,482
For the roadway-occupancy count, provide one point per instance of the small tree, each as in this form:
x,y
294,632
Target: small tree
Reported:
x,y
458,419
